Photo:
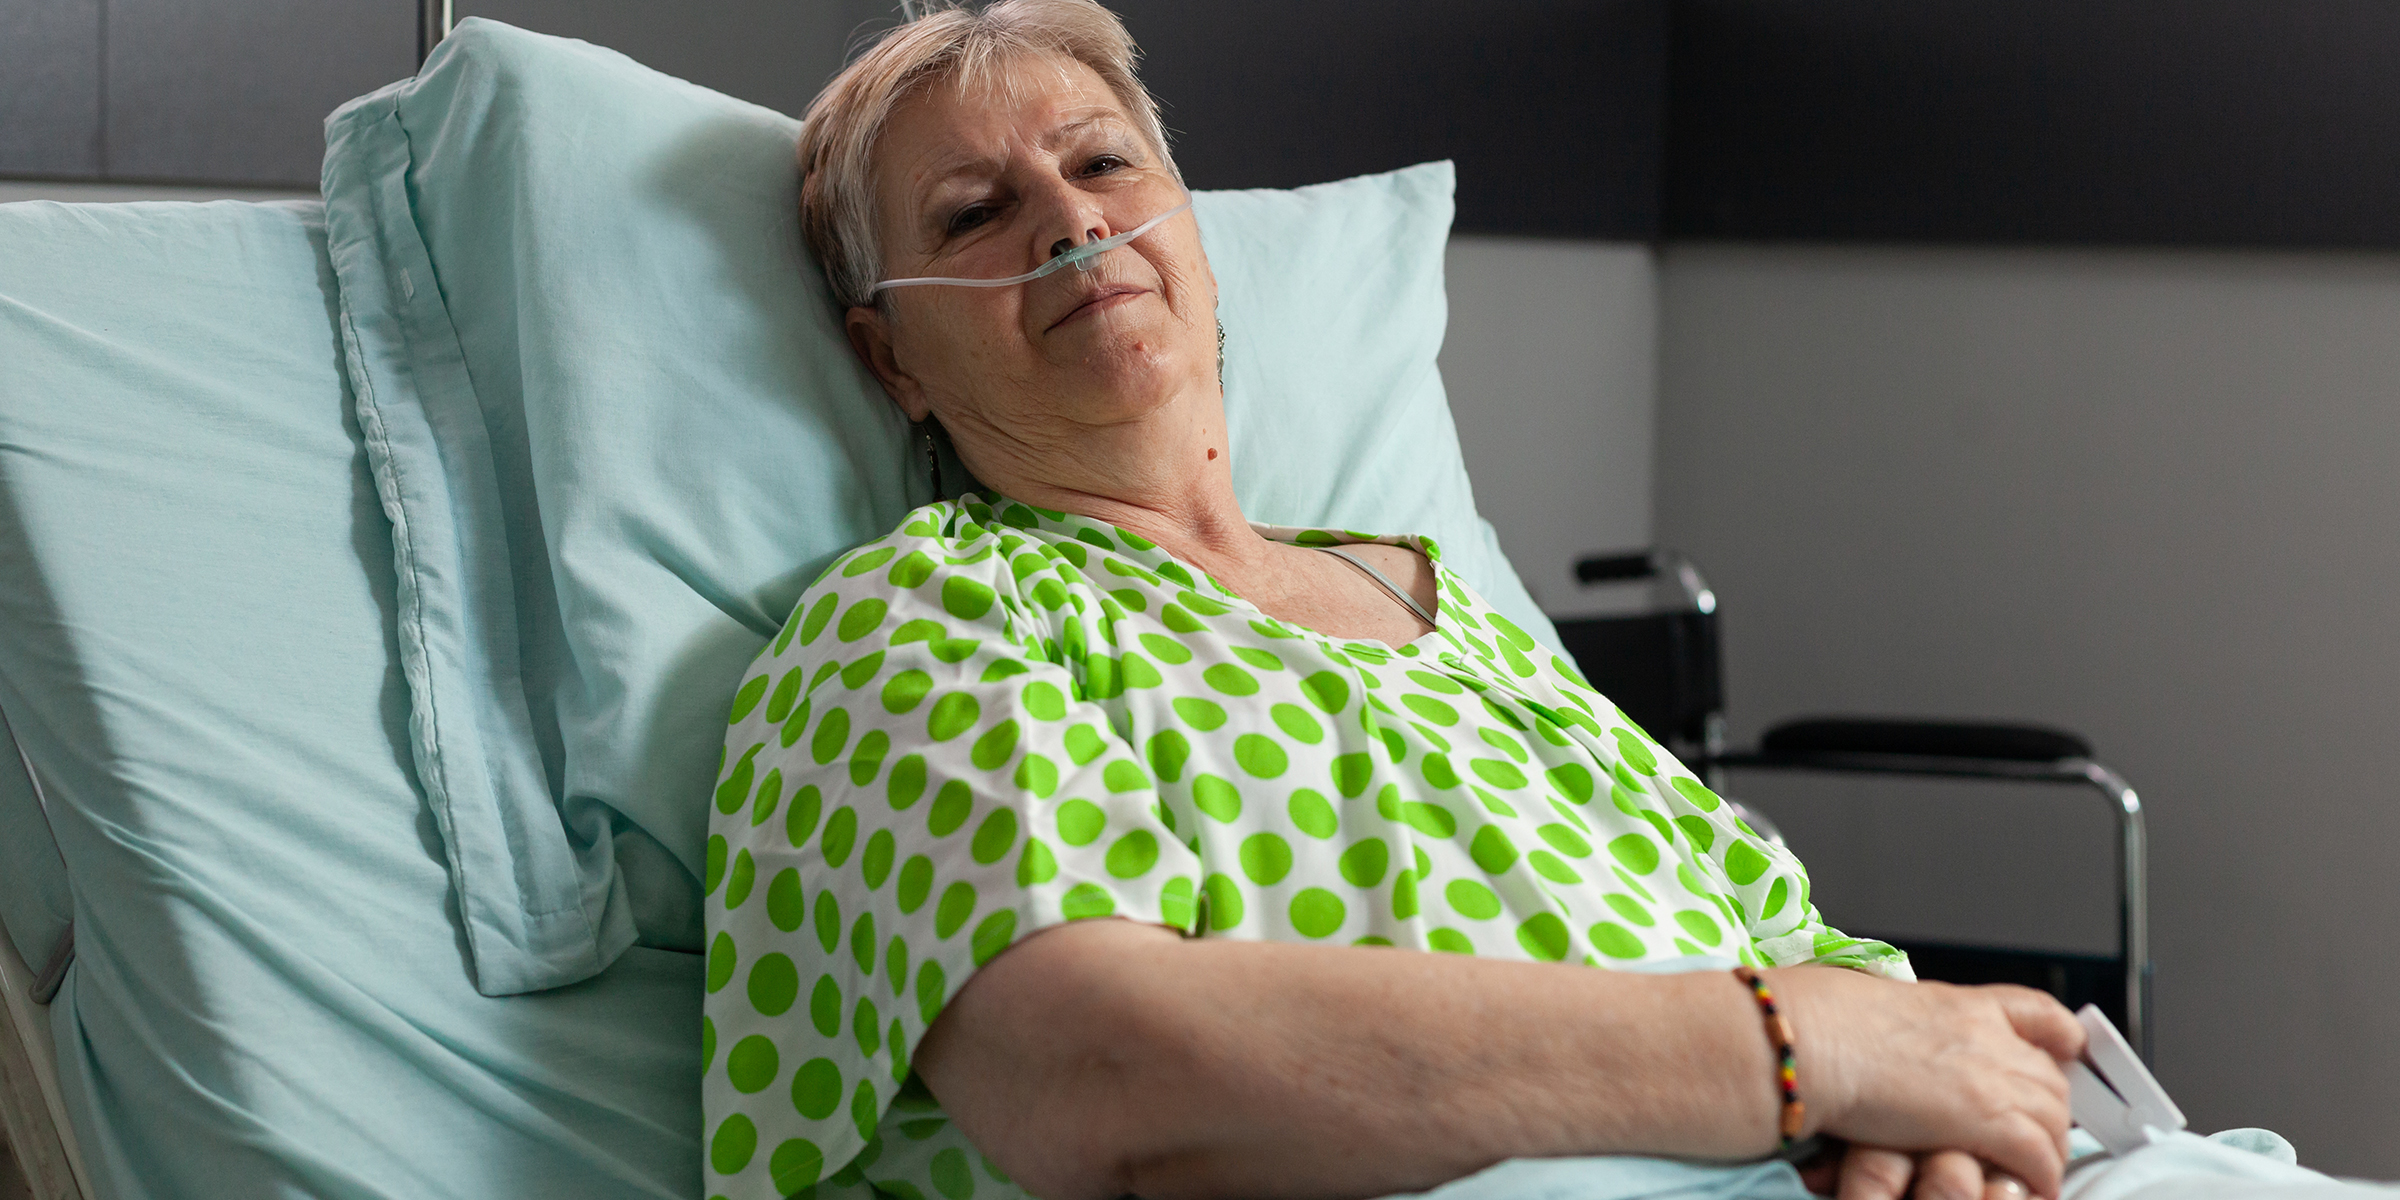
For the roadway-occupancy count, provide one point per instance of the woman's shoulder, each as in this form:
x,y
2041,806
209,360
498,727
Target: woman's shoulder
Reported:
x,y
932,538
962,548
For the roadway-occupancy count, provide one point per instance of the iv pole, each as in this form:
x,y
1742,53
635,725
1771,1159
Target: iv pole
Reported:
x,y
433,24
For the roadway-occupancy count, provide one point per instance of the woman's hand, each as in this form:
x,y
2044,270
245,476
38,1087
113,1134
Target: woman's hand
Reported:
x,y
1874,1173
1970,1075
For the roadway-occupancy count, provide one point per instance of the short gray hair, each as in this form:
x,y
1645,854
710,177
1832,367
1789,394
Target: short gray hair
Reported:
x,y
837,199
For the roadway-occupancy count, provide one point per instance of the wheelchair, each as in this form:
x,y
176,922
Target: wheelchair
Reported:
x,y
1662,666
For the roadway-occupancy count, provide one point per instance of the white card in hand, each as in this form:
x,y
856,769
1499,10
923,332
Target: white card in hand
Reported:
x,y
2112,1095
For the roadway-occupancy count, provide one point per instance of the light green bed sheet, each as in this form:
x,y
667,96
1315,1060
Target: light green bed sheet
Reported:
x,y
270,996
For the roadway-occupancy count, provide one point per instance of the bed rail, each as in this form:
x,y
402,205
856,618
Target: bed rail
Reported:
x,y
32,1111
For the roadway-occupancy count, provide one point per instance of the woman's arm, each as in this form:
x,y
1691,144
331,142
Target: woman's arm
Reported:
x,y
1108,1058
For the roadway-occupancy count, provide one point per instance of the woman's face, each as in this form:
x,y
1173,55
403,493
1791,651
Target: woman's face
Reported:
x,y
988,181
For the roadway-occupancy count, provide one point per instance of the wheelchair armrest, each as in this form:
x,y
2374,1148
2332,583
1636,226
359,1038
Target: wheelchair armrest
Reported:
x,y
1922,739
1899,746
1977,750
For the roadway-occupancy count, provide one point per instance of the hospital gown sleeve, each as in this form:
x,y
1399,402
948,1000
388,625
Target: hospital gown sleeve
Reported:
x,y
911,784
1755,883
1761,885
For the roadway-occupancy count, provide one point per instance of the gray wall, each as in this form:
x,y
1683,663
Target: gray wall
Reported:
x,y
50,87
2145,495
170,90
236,94
118,193
1550,368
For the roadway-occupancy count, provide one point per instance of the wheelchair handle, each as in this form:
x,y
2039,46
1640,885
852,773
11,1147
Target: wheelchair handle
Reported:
x,y
1615,568
1654,563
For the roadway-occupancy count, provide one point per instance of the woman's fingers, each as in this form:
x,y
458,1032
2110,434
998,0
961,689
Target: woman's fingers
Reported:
x,y
2040,1019
1949,1175
2028,1150
2011,1112
1873,1173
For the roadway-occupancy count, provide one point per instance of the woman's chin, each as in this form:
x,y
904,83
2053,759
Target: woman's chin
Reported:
x,y
1135,366
1115,388
1119,326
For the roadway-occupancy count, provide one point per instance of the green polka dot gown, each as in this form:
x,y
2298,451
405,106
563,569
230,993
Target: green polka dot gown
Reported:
x,y
1000,718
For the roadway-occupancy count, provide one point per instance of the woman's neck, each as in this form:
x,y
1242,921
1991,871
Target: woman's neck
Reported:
x,y
1167,478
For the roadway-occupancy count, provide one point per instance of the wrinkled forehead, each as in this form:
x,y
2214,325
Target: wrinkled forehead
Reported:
x,y
977,117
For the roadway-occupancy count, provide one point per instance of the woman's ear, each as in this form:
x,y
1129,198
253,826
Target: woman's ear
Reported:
x,y
870,334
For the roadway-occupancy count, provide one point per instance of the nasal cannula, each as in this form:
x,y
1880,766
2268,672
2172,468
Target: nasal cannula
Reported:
x,y
1080,258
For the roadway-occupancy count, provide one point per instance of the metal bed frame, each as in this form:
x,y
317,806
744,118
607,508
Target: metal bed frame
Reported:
x,y
33,1113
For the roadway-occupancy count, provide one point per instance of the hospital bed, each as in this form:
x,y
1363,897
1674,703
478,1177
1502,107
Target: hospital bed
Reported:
x,y
371,571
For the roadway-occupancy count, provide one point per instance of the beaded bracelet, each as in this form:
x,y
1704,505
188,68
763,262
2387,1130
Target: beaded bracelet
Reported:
x,y
1787,1067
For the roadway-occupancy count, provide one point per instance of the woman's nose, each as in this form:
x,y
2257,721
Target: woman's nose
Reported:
x,y
1070,214
1062,245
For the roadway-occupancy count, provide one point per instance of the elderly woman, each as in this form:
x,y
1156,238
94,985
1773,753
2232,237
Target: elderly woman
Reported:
x,y
1084,839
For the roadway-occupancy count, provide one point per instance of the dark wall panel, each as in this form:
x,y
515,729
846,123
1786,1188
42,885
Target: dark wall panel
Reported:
x,y
1552,108
771,52
50,88
2213,122
237,93
2255,122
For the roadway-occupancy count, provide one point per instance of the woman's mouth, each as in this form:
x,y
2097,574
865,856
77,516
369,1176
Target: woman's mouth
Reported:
x,y
1103,298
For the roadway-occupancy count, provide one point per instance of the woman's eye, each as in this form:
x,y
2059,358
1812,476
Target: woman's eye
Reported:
x,y
1104,164
969,217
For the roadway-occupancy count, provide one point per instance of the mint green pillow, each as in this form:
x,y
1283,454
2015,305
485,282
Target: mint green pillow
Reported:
x,y
1333,307
618,430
